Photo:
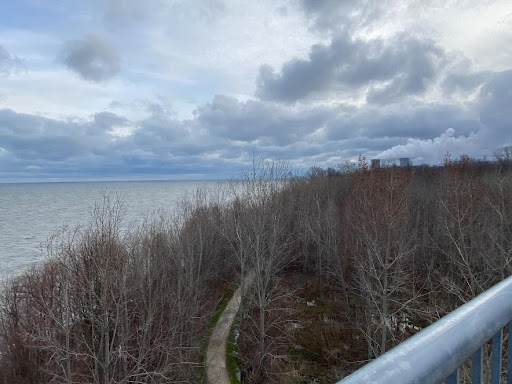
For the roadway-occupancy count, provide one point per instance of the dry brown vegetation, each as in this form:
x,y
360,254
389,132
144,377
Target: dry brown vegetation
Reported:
x,y
347,264
377,255
109,307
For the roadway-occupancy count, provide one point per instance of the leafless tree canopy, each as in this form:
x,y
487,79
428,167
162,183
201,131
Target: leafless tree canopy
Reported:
x,y
397,247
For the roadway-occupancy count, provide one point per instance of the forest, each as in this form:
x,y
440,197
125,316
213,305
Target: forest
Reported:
x,y
347,263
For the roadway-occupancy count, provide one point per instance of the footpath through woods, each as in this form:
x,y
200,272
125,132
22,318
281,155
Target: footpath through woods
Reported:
x,y
216,370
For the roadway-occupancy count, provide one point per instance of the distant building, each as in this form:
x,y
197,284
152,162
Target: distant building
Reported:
x,y
375,163
405,162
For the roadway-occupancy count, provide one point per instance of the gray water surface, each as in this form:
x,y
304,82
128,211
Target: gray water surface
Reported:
x,y
30,213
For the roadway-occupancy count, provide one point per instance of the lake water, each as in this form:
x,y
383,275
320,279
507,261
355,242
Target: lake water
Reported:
x,y
30,213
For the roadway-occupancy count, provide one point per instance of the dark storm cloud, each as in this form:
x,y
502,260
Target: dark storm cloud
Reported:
x,y
416,121
495,105
160,134
31,137
394,68
428,120
92,57
216,141
105,121
9,63
464,82
159,145
419,66
255,120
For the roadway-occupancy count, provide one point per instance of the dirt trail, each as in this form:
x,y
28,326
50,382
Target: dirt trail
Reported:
x,y
216,371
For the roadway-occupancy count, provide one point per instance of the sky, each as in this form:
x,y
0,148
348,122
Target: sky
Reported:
x,y
191,89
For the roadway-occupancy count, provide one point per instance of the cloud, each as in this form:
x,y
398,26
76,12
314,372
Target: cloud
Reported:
x,y
329,15
490,129
433,150
465,82
108,120
203,11
370,16
126,11
219,137
257,121
393,68
495,104
36,146
402,121
9,63
92,57
314,82
28,138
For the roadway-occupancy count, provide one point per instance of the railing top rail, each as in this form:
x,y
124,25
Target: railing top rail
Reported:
x,y
434,353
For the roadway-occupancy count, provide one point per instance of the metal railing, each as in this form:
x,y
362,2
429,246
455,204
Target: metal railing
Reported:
x,y
435,354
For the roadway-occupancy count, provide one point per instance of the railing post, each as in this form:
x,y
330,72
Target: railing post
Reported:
x,y
497,342
477,363
509,354
453,378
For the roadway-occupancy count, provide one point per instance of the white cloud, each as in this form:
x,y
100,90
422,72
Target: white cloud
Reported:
x,y
433,150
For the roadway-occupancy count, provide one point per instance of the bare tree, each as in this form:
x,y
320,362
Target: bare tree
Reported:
x,y
499,224
504,154
108,307
463,220
384,242
261,234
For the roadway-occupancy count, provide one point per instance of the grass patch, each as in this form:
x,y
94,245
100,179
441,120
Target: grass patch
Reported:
x,y
220,308
232,360
232,353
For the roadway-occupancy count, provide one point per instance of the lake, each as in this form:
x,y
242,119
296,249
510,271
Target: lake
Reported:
x,y
32,212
